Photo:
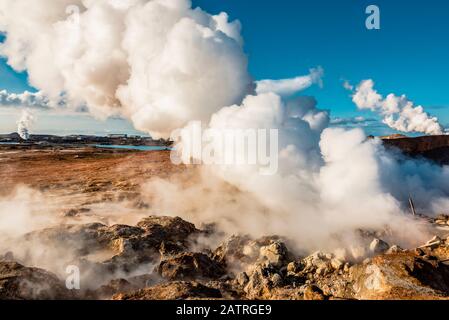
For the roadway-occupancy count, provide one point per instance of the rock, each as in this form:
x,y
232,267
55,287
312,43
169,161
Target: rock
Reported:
x,y
75,212
276,280
168,228
114,287
259,285
319,263
129,246
8,256
242,279
433,243
337,264
231,251
312,292
430,257
178,290
400,276
378,246
189,266
276,254
293,268
240,252
419,252
118,249
442,217
394,249
18,282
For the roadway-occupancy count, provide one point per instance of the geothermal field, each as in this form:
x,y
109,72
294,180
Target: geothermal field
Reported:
x,y
166,150
139,227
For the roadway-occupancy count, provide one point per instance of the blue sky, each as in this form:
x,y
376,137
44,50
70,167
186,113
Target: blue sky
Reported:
x,y
409,55
284,38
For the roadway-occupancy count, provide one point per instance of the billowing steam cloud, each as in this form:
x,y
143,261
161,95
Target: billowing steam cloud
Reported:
x,y
163,65
160,63
398,112
24,124
330,182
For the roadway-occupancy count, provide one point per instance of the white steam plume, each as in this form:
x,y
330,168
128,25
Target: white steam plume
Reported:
x,y
24,124
330,182
397,111
288,87
160,63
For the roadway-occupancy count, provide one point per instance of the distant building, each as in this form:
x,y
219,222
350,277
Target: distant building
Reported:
x,y
118,136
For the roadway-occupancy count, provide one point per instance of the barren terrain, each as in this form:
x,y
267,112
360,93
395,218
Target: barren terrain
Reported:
x,y
134,254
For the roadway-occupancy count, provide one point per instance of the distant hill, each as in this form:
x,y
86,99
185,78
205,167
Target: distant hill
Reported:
x,y
435,148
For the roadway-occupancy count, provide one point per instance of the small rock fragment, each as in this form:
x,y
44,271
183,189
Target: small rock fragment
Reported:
x,y
394,249
242,278
276,280
337,264
312,292
294,267
378,246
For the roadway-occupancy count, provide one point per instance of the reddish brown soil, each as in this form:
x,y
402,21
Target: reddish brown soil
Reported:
x,y
81,169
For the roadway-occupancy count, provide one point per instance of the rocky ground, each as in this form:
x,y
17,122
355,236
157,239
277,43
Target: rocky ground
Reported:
x,y
239,268
162,257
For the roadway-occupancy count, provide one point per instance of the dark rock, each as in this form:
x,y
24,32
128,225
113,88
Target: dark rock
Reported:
x,y
189,266
114,287
18,282
169,228
8,256
178,290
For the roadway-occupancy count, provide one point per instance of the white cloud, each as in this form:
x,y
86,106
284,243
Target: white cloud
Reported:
x,y
25,99
359,120
348,86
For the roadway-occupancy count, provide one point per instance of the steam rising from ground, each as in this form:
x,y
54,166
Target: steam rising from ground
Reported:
x,y
24,124
163,64
27,217
398,112
330,182
160,63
